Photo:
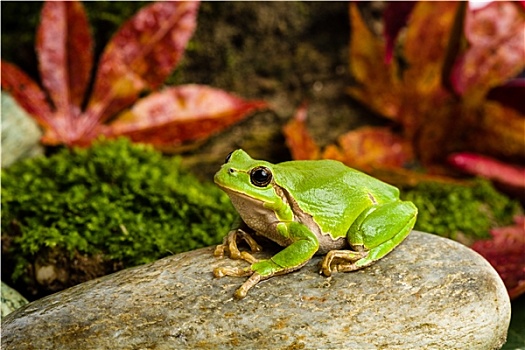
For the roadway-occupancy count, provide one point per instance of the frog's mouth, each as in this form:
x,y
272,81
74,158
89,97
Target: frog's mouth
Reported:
x,y
228,190
232,193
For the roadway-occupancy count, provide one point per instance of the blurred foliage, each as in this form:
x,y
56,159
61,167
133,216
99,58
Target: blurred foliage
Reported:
x,y
461,212
117,199
435,87
436,84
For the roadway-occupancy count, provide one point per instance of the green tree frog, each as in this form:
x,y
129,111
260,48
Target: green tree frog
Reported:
x,y
309,207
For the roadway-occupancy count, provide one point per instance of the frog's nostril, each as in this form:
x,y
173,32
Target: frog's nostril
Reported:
x,y
231,171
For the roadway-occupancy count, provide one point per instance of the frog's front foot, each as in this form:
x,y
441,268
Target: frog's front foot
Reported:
x,y
342,261
232,271
229,246
258,271
239,272
246,286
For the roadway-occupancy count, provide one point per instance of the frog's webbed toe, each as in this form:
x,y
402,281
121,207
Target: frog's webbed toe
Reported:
x,y
232,271
246,286
341,261
229,246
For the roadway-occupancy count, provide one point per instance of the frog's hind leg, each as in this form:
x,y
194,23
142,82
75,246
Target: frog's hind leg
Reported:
x,y
375,233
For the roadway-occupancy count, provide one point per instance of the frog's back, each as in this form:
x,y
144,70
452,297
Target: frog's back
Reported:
x,y
330,191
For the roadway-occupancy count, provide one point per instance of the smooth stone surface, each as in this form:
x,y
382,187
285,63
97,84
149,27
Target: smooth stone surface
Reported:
x,y
429,293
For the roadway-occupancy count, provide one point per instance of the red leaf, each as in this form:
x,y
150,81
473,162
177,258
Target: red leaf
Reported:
x,y
27,93
372,147
183,113
65,54
506,253
376,151
497,131
426,47
489,168
395,18
298,139
496,37
368,67
141,55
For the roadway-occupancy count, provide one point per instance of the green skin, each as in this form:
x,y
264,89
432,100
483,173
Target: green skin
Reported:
x,y
309,207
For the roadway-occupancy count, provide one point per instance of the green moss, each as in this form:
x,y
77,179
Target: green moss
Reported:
x,y
450,210
124,201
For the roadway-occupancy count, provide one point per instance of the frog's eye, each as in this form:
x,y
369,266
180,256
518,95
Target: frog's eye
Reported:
x,y
260,176
228,157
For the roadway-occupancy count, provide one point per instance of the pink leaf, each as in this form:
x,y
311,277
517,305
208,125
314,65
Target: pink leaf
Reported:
x,y
179,114
506,253
496,35
80,52
65,54
395,18
141,55
490,168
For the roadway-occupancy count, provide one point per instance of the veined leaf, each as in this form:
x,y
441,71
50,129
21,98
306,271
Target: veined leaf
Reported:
x,y
138,58
65,53
141,55
413,90
183,113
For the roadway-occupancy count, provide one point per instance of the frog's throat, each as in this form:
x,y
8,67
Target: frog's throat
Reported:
x,y
257,216
264,219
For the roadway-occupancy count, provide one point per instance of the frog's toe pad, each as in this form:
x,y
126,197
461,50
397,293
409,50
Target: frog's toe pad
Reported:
x,y
252,281
341,261
219,250
248,257
232,271
347,267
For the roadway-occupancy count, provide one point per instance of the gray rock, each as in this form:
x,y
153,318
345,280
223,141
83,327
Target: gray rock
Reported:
x,y
20,132
429,293
11,300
